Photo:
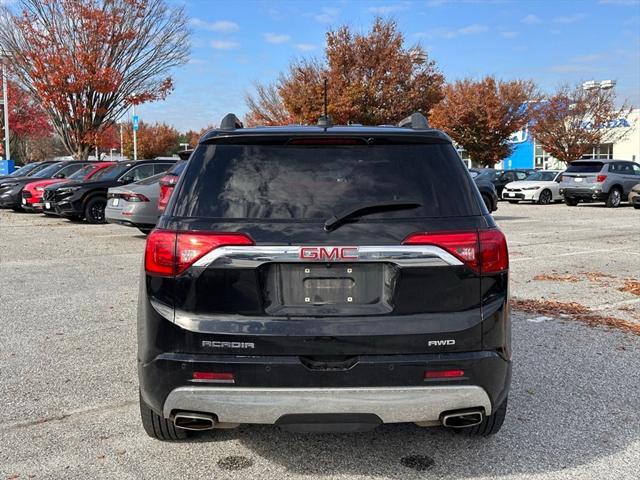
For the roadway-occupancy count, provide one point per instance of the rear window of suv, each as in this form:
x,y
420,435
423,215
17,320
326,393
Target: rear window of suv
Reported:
x,y
584,167
292,182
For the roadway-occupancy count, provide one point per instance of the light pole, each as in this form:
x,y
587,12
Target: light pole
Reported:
x,y
185,145
135,131
5,102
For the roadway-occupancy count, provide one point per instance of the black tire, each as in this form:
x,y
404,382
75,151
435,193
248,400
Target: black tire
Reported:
x,y
146,231
158,427
491,424
514,201
545,197
614,198
572,202
488,203
94,210
16,209
636,206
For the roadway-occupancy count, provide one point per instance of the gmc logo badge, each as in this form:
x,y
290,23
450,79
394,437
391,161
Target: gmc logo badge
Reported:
x,y
329,254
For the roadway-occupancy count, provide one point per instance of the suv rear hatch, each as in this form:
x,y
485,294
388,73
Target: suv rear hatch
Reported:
x,y
582,173
248,254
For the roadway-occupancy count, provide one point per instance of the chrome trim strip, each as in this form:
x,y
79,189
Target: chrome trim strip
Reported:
x,y
254,256
267,405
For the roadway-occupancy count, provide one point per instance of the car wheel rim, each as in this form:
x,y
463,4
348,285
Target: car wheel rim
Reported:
x,y
97,211
545,198
616,198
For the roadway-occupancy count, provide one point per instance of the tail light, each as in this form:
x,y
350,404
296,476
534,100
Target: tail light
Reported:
x,y
167,183
214,377
134,197
484,251
429,374
601,178
170,253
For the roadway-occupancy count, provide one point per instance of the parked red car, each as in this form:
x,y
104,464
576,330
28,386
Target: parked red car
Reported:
x,y
32,192
169,180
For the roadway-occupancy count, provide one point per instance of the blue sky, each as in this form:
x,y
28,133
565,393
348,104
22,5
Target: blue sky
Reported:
x,y
550,41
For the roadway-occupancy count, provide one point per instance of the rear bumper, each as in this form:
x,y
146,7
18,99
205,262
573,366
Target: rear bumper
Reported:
x,y
592,194
268,405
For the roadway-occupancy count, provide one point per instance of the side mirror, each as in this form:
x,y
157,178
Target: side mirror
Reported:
x,y
127,179
59,175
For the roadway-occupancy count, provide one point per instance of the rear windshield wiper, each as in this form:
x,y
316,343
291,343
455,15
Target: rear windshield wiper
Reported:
x,y
367,208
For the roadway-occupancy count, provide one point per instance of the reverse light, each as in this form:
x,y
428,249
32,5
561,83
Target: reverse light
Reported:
x,y
601,178
484,251
169,253
430,374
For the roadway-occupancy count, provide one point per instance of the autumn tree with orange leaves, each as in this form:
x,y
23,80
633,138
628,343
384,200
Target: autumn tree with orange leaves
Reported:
x,y
481,116
153,140
372,79
572,121
88,61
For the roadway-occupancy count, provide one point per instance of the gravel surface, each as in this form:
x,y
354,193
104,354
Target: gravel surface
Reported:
x,y
68,382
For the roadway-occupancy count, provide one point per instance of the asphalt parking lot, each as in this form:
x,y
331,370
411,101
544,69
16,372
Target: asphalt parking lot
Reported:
x,y
68,382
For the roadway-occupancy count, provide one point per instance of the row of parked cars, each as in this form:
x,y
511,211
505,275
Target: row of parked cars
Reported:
x,y
127,193
608,181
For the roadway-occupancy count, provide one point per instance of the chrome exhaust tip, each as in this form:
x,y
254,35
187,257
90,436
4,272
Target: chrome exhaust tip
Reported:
x,y
463,419
196,422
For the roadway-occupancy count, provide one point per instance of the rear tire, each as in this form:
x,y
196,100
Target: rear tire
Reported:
x,y
614,198
145,231
514,201
159,427
94,210
545,197
571,202
491,424
636,206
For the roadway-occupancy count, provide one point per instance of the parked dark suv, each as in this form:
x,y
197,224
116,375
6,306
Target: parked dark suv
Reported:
x,y
324,279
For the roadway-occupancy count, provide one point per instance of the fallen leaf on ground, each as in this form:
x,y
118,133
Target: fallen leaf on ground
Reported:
x,y
557,278
631,286
574,311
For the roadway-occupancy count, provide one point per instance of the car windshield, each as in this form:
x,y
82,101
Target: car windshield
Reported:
x,y
542,177
80,174
111,172
24,170
49,171
487,174
286,182
585,167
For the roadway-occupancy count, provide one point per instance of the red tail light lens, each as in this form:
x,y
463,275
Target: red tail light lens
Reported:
x,y
601,178
444,374
167,183
463,245
484,252
217,377
170,253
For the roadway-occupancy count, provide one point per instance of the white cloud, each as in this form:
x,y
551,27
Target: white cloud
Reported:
x,y
531,19
276,38
593,57
224,44
388,9
222,26
473,29
570,68
326,15
569,18
509,34
306,47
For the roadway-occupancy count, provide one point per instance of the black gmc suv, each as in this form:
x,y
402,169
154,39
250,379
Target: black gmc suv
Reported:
x,y
87,200
324,279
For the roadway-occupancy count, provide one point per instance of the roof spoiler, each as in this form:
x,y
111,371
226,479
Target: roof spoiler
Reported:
x,y
230,122
415,120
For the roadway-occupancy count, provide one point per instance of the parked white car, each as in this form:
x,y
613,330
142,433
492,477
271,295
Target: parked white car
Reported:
x,y
542,187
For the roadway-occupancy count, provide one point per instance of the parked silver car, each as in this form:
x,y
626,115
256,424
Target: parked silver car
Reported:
x,y
608,181
135,205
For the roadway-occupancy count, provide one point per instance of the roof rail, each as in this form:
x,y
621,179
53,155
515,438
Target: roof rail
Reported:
x,y
415,120
230,122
